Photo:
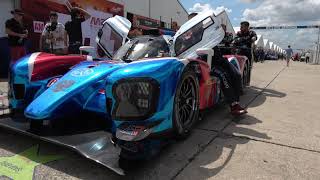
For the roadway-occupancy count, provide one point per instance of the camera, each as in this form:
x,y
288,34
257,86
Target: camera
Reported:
x,y
52,27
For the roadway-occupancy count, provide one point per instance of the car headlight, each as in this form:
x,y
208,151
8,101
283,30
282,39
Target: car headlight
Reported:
x,y
136,98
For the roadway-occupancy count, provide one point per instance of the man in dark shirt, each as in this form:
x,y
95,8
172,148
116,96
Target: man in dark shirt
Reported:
x,y
244,39
228,74
17,34
74,29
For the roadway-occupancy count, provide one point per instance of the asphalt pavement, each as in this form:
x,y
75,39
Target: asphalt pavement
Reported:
x,y
278,139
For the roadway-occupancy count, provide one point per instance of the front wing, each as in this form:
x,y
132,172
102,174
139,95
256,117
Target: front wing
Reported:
x,y
94,145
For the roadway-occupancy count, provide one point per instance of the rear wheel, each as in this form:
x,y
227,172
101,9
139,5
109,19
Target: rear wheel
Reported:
x,y
186,104
246,76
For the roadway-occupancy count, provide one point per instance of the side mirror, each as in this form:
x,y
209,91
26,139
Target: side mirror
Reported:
x,y
88,49
206,51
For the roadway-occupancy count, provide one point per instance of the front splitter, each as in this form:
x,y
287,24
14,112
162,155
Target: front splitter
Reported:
x,y
94,145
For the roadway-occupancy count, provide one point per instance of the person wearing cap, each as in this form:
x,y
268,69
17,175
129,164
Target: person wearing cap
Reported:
x,y
54,37
74,29
245,39
17,34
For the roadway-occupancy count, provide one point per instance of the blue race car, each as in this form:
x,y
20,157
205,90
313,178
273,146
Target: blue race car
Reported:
x,y
153,84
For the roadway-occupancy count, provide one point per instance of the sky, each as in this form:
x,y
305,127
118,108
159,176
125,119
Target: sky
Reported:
x,y
269,13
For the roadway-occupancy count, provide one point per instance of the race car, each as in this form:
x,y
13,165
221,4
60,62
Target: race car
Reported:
x,y
151,86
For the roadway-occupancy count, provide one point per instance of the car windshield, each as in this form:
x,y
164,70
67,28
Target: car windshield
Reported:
x,y
143,47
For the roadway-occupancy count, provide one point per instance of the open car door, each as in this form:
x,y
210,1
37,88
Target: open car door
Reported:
x,y
202,31
113,34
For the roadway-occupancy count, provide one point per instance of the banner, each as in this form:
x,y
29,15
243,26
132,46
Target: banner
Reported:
x,y
37,15
285,27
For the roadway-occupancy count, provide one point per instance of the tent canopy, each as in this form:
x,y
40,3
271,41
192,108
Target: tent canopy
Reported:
x,y
259,41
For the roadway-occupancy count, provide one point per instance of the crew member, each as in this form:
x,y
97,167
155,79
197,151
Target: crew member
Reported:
x,y
54,37
17,34
225,44
244,39
74,29
229,76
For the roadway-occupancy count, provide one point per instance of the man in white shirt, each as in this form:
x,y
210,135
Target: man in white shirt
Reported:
x,y
308,56
54,38
289,52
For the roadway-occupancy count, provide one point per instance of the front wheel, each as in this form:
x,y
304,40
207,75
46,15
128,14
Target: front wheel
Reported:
x,y
186,104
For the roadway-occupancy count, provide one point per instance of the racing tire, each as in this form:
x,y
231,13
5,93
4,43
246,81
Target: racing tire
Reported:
x,y
186,104
249,70
245,77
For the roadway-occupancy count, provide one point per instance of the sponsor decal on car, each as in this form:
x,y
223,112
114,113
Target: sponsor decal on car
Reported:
x,y
81,72
62,85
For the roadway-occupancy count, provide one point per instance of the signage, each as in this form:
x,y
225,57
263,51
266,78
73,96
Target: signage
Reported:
x,y
37,14
285,27
38,26
145,22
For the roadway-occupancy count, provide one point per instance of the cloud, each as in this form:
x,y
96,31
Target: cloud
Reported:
x,y
286,12
198,7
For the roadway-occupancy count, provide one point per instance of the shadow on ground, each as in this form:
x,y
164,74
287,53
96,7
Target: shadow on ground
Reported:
x,y
261,95
219,152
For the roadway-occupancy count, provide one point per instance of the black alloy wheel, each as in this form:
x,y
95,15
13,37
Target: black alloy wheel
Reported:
x,y
186,104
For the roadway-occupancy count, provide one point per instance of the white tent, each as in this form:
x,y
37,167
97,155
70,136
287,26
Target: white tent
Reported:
x,y
259,41
266,44
275,47
271,45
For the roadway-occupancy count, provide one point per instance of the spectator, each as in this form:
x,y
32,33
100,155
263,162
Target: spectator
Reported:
x,y
244,39
74,29
289,52
54,37
308,55
17,34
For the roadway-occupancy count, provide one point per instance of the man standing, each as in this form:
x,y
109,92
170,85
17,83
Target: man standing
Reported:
x,y
74,29
289,52
244,39
17,34
54,37
308,55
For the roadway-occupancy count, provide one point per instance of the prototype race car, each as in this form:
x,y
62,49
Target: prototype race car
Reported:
x,y
153,84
